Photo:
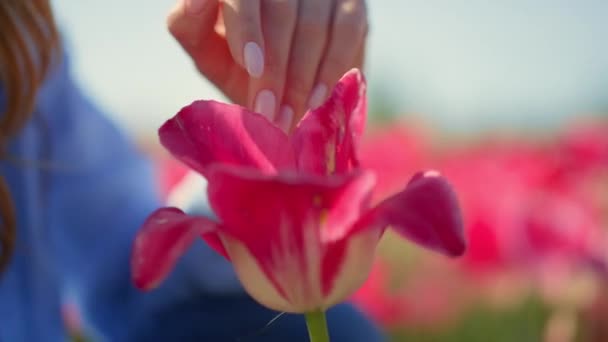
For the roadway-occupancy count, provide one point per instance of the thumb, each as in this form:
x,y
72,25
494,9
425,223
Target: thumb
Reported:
x,y
192,23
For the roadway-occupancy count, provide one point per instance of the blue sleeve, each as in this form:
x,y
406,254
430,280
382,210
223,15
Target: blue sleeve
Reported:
x,y
239,318
100,191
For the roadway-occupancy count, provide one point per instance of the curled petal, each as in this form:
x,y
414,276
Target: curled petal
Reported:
x,y
163,239
326,139
426,212
208,132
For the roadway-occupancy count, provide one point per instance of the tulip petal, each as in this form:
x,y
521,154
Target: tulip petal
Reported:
x,y
347,208
255,280
208,132
214,241
326,139
347,265
244,197
280,220
426,212
163,239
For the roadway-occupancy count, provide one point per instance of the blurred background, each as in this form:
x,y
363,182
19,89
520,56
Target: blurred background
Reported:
x,y
509,100
464,64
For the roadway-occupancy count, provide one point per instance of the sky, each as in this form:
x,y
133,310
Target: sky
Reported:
x,y
459,64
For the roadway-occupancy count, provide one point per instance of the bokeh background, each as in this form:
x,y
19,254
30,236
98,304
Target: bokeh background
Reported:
x,y
508,99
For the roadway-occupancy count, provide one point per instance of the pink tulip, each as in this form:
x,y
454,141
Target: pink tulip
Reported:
x,y
294,213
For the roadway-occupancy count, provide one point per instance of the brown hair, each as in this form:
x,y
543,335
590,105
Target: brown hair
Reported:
x,y
28,46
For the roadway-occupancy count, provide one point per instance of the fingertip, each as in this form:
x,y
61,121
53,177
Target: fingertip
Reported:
x,y
189,20
265,104
285,118
254,59
175,13
318,95
242,21
194,7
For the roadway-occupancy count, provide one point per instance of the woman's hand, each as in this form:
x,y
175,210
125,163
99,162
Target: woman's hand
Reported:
x,y
277,57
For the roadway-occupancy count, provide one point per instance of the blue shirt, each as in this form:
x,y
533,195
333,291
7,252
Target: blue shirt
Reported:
x,y
81,191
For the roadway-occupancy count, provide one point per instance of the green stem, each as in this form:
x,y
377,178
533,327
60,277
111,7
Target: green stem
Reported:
x,y
317,326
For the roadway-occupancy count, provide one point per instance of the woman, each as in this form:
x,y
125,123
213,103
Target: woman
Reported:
x,y
74,190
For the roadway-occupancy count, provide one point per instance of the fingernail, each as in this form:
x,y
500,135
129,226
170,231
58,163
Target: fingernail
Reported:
x,y
265,103
194,7
285,118
317,96
254,59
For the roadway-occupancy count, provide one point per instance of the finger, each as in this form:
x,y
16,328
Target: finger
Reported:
x,y
359,62
192,24
308,44
244,34
278,23
348,33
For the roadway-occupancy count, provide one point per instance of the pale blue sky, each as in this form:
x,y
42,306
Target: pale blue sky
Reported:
x,y
463,64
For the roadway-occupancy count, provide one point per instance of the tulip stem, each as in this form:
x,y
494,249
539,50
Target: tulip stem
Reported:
x,y
317,326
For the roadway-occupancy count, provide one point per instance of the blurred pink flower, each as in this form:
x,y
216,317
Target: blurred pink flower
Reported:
x,y
170,173
523,202
517,213
425,299
585,144
72,318
394,152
